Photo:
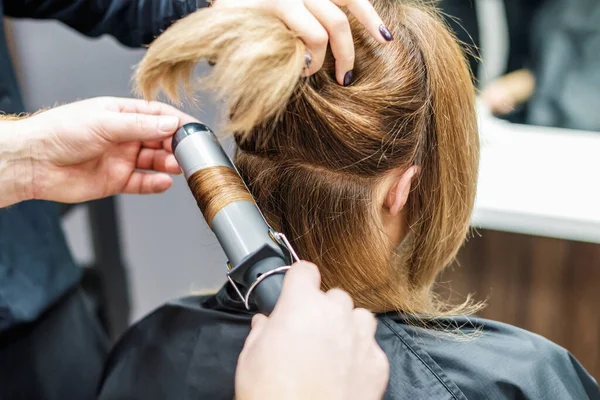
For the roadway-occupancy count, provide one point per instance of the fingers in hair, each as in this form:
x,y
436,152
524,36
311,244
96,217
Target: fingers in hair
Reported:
x,y
364,12
308,28
336,23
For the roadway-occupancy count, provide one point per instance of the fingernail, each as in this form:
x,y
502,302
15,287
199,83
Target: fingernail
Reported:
x,y
307,60
385,32
167,123
348,78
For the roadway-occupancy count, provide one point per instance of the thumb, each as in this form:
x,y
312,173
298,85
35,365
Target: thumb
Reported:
x,y
301,279
259,322
127,127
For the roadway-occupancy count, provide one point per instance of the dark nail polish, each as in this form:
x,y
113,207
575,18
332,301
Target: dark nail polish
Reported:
x,y
387,35
307,60
348,78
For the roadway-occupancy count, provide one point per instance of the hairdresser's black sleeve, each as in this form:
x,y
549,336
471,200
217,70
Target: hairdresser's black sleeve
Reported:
x,y
132,22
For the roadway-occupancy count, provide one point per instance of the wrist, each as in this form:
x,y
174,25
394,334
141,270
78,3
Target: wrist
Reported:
x,y
16,162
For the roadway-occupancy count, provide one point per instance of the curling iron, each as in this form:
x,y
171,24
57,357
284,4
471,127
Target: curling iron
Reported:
x,y
258,255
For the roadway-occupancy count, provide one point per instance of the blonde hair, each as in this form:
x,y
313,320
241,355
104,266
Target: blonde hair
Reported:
x,y
313,152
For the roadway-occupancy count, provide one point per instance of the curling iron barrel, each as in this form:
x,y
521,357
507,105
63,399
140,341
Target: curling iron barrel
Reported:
x,y
258,256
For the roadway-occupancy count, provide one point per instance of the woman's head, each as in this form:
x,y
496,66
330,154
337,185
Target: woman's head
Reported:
x,y
373,182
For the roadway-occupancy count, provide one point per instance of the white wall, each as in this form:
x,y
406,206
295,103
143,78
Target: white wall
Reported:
x,y
493,33
167,245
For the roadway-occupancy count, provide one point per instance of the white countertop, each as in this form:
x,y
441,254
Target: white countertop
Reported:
x,y
538,181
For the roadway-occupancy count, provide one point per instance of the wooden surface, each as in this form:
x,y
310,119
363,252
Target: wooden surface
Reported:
x,y
547,286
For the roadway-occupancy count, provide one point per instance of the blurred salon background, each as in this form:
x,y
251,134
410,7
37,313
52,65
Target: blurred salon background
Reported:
x,y
535,250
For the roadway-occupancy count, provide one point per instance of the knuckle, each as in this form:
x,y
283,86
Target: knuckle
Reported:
x,y
341,297
305,269
308,267
346,58
365,322
155,107
140,122
340,23
364,315
381,361
258,319
320,38
314,67
278,7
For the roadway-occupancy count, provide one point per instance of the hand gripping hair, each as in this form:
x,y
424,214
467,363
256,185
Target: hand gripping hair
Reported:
x,y
314,154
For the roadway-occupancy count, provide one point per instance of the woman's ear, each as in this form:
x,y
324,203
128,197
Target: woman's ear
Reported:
x,y
397,194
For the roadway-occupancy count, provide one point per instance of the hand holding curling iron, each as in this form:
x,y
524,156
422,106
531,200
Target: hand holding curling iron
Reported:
x,y
314,345
319,22
92,149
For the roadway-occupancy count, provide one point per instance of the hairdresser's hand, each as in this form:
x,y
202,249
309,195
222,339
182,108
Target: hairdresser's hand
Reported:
x,y
100,147
314,346
318,22
505,94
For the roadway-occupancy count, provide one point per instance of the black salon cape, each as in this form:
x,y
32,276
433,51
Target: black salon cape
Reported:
x,y
188,349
